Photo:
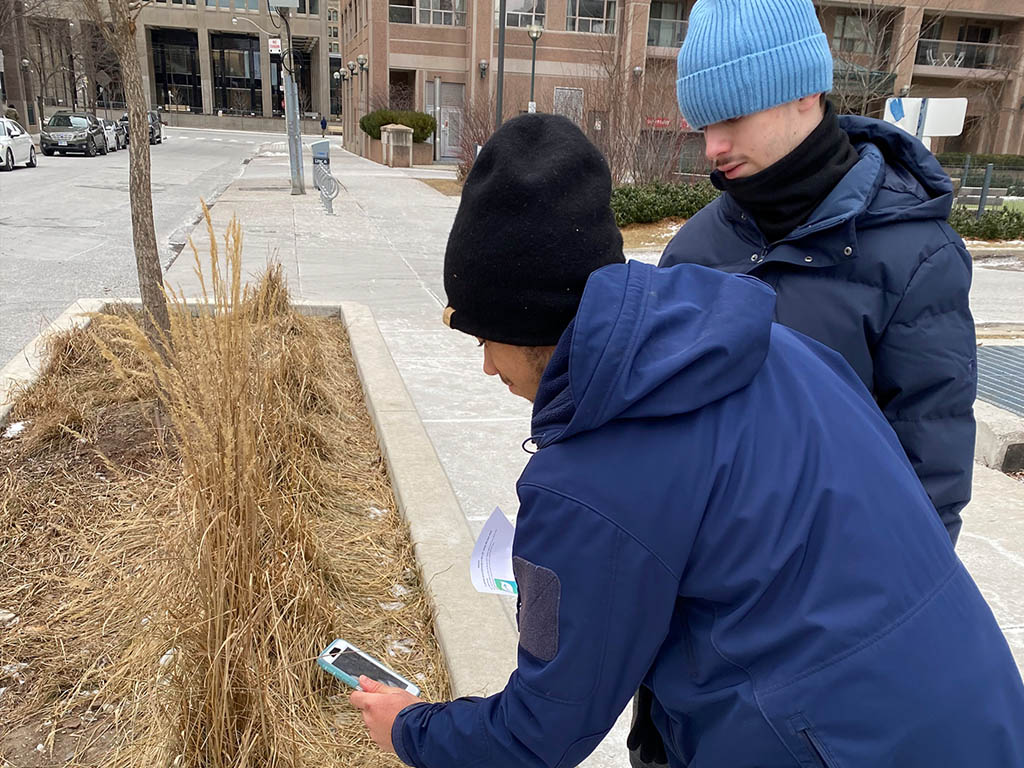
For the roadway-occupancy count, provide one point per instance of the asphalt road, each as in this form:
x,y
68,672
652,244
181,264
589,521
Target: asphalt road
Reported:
x,y
65,226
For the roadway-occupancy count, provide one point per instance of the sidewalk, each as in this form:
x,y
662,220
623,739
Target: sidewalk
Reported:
x,y
385,248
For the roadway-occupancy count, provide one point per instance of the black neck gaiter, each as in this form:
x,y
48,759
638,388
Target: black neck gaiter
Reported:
x,y
784,195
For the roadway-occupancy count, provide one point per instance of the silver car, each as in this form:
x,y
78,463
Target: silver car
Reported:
x,y
15,146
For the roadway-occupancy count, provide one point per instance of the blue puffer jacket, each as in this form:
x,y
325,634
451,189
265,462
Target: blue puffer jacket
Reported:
x,y
718,509
877,274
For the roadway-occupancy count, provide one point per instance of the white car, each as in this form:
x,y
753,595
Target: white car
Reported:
x,y
15,146
110,133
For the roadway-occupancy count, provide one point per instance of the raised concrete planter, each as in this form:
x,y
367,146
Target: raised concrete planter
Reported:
x,y
477,639
1000,440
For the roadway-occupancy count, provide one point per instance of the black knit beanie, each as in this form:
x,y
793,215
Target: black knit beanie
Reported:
x,y
535,220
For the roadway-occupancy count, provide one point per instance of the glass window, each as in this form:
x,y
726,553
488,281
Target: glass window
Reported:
x,y
314,7
3,128
523,13
851,34
443,12
402,11
591,16
666,27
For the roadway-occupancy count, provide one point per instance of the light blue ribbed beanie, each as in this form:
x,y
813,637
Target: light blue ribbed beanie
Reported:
x,y
744,56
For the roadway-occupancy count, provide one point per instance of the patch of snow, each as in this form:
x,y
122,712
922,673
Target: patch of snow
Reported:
x,y
7,618
376,514
15,429
398,590
393,606
405,646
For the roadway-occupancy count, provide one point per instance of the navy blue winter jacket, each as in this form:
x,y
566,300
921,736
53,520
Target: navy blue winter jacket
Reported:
x,y
718,509
877,274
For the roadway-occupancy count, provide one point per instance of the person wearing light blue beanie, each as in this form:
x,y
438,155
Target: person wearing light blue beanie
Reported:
x,y
746,56
846,218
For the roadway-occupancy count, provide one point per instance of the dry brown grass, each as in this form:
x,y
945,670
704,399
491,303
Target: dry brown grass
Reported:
x,y
177,561
654,236
450,187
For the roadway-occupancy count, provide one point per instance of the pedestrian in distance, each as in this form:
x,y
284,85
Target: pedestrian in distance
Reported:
x,y
323,126
716,508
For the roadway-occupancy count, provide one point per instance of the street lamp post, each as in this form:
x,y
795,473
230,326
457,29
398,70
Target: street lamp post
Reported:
x,y
352,95
363,70
291,103
534,31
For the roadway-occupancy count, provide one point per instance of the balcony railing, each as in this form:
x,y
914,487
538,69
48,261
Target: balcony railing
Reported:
x,y
960,55
666,33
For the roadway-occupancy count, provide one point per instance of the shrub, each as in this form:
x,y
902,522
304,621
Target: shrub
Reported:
x,y
956,160
998,224
422,124
644,203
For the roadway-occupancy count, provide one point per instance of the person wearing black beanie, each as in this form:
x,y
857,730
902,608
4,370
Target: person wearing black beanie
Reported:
x,y
699,472
534,222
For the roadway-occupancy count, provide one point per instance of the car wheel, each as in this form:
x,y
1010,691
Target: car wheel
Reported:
x,y
31,158
90,147
104,149
9,161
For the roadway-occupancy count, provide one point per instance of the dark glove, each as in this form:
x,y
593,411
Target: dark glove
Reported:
x,y
644,743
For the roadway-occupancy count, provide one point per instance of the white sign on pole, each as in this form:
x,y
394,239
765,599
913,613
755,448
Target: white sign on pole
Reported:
x,y
274,44
943,117
531,107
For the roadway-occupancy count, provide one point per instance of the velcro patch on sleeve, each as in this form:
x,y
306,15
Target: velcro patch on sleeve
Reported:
x,y
540,593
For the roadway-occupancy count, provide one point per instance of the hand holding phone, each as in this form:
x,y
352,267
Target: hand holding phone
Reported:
x,y
347,663
380,705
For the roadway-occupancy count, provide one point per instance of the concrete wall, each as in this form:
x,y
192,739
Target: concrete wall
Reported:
x,y
236,123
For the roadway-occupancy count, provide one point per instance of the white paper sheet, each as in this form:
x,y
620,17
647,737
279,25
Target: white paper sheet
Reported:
x,y
491,564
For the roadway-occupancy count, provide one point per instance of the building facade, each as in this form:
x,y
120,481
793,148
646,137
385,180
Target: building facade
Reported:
x,y
609,62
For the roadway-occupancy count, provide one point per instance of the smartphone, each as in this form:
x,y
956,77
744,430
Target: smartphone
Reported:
x,y
347,663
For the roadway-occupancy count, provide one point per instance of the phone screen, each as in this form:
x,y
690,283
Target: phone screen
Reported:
x,y
351,663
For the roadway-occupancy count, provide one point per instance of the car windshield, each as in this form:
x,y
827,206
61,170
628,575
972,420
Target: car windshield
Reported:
x,y
3,129
68,121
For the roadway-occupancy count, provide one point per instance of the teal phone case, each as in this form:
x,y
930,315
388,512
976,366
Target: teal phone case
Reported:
x,y
353,682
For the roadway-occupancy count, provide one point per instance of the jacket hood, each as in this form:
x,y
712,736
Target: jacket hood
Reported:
x,y
912,169
648,343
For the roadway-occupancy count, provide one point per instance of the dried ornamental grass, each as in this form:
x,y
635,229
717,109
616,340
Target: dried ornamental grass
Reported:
x,y
243,550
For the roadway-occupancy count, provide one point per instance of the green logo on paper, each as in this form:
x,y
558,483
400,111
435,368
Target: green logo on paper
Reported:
x,y
507,586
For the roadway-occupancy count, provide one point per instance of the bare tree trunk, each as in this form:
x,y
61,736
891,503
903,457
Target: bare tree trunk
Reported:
x,y
121,36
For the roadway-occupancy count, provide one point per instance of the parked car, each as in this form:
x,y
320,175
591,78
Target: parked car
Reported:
x,y
156,126
73,132
110,135
123,122
15,145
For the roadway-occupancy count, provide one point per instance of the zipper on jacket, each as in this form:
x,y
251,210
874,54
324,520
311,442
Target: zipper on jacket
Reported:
x,y
816,749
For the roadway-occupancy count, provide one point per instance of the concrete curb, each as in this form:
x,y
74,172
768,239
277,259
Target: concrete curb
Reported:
x,y
999,443
476,637
26,366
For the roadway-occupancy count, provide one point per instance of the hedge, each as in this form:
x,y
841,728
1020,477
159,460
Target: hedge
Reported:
x,y
645,203
957,159
995,224
422,124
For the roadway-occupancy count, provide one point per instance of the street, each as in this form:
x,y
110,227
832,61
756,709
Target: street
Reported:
x,y
65,226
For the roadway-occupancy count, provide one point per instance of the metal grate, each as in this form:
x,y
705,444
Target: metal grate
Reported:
x,y
1001,377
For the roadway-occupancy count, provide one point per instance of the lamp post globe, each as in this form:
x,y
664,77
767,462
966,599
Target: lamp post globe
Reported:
x,y
534,31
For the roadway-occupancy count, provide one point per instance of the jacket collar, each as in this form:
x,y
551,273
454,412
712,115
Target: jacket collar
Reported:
x,y
829,236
